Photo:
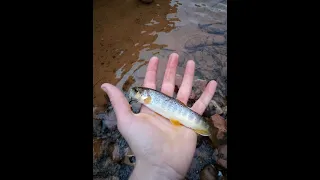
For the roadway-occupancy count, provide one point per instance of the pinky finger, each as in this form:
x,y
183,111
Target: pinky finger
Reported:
x,y
201,104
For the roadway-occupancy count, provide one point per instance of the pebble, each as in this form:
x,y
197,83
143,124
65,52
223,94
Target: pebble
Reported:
x,y
110,120
219,122
222,151
219,40
114,152
178,80
96,127
222,163
200,84
209,172
214,105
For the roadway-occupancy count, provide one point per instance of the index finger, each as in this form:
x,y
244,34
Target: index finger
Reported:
x,y
150,79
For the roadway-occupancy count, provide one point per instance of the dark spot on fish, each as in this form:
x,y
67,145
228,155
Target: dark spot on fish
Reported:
x,y
191,116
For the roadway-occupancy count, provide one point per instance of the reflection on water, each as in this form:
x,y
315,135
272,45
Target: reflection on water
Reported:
x,y
127,33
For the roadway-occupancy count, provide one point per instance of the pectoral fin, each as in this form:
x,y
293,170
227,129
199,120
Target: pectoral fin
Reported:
x,y
202,132
147,100
175,122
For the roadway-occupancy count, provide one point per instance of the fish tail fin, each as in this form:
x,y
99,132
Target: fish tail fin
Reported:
x,y
203,132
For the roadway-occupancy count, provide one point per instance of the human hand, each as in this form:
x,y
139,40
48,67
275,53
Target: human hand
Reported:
x,y
162,151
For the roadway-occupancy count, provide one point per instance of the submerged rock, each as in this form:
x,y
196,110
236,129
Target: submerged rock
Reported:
x,y
219,130
96,127
114,152
221,124
222,163
217,28
219,40
209,172
213,105
222,152
178,80
110,120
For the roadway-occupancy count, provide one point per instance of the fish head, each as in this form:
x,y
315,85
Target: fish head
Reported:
x,y
136,94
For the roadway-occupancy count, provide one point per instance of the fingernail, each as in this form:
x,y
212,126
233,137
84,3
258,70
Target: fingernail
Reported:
x,y
103,86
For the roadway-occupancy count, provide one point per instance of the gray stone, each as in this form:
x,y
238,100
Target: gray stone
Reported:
x,y
110,120
219,40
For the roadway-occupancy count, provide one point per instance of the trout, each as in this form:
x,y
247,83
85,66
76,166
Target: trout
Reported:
x,y
173,109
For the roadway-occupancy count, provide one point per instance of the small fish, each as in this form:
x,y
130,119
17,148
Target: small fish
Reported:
x,y
170,108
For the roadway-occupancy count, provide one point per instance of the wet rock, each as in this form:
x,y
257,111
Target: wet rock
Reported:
x,y
97,130
213,105
112,178
199,141
192,95
128,152
198,42
222,163
213,28
209,172
220,100
110,120
220,124
199,85
224,71
219,40
95,169
98,110
147,1
219,130
114,152
224,109
222,152
99,146
178,80
107,167
221,6
222,85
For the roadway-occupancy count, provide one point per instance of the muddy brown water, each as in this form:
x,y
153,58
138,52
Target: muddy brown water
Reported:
x,y
127,33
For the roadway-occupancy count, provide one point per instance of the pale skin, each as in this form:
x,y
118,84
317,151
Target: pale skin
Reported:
x,y
162,150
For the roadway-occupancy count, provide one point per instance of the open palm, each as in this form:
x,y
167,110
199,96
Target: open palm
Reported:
x,y
155,142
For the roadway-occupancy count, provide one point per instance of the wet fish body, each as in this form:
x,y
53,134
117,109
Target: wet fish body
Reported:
x,y
170,108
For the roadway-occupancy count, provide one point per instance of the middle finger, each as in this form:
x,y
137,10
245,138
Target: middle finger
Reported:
x,y
170,75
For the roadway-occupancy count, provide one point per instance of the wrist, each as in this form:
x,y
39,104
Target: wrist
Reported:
x,y
149,171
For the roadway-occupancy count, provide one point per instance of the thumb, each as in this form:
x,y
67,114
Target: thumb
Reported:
x,y
119,103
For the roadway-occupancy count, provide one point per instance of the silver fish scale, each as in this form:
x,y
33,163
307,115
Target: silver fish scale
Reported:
x,y
170,105
192,116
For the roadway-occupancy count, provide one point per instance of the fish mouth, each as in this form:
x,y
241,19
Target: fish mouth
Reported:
x,y
132,95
